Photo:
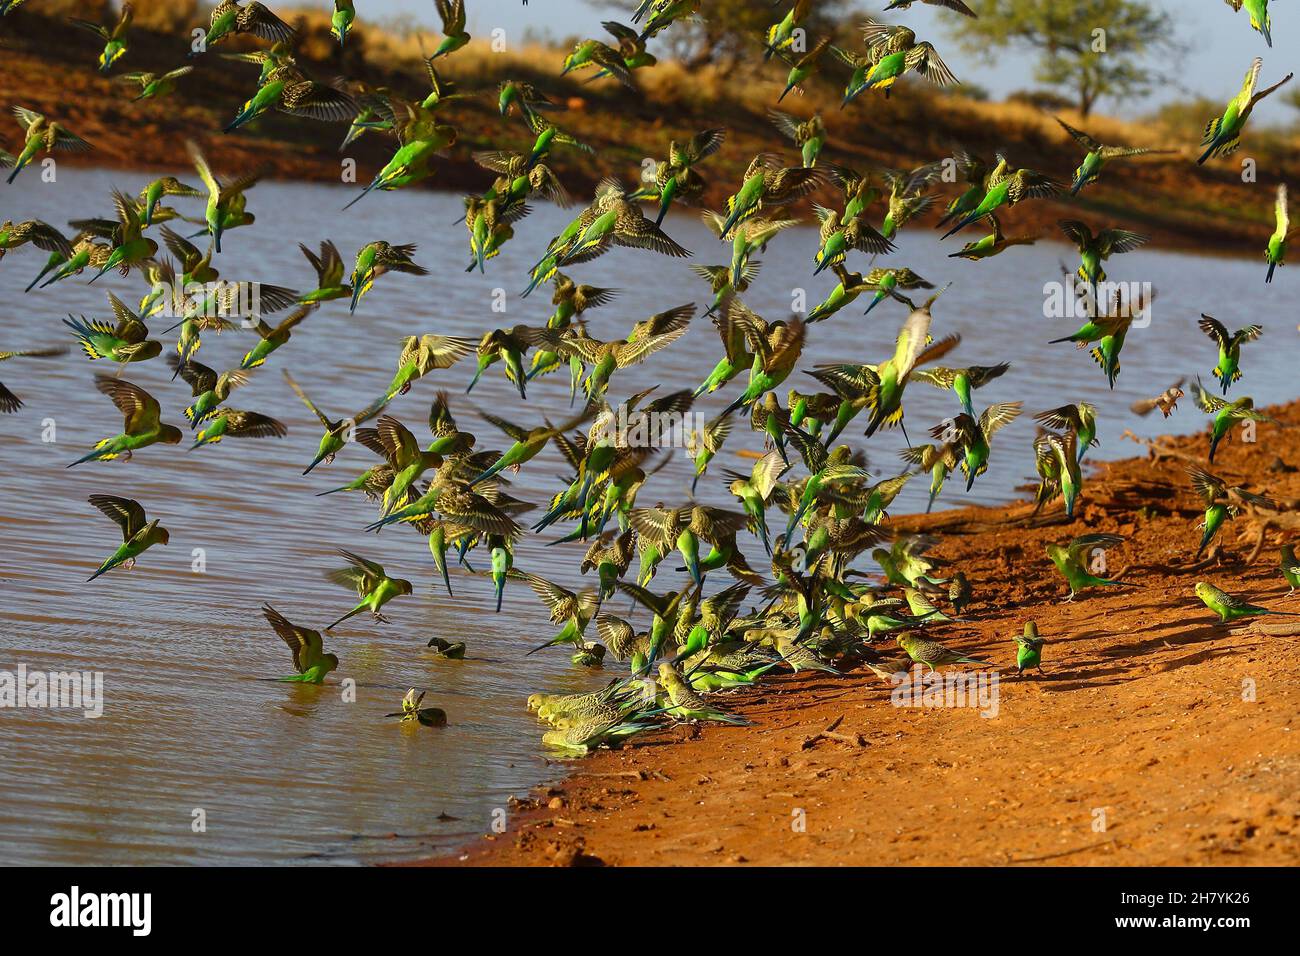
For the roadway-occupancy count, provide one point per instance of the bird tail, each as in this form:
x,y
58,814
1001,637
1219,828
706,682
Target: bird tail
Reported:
x,y
352,613
106,566
95,454
1272,266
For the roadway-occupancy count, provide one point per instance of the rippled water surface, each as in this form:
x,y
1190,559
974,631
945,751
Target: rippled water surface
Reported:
x,y
290,773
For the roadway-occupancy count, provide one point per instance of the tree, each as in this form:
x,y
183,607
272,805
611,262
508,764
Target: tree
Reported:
x,y
731,31
1093,48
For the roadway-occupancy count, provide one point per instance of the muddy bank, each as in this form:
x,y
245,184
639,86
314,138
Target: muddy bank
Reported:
x,y
1177,734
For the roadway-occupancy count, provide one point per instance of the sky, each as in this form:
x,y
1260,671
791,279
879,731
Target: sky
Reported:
x,y
1221,43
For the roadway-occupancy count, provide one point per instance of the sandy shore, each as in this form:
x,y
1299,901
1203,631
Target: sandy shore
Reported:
x,y
1153,735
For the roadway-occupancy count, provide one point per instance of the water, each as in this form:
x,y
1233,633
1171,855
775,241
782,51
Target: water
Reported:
x,y
289,773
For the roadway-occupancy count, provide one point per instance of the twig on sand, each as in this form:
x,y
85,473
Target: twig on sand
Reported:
x,y
854,740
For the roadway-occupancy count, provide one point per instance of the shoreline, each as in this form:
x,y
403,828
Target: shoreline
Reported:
x,y
1153,197
1086,763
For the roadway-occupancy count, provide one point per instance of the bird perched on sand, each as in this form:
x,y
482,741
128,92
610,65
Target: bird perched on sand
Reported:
x,y
931,653
372,584
686,704
1229,607
1228,369
141,427
1029,649
1098,155
1223,133
138,533
307,647
1075,560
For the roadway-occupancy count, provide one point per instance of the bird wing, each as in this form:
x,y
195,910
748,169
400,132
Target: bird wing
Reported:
x,y
630,353
317,101
1248,85
511,429
1080,137
1076,231
997,416
126,513
304,643
1205,401
257,19
139,409
1249,334
924,59
399,444
307,401
784,122
560,601
294,317
1087,542
441,351
1117,241
370,570
44,236
253,425
1215,330
199,377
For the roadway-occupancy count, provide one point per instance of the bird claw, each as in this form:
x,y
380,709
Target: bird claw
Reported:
x,y
380,619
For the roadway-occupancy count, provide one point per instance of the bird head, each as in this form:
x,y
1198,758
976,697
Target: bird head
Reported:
x,y
170,434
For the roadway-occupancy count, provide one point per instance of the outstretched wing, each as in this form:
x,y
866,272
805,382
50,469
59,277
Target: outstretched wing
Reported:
x,y
126,513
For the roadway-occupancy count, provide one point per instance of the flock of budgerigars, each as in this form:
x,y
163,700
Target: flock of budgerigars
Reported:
x,y
817,607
